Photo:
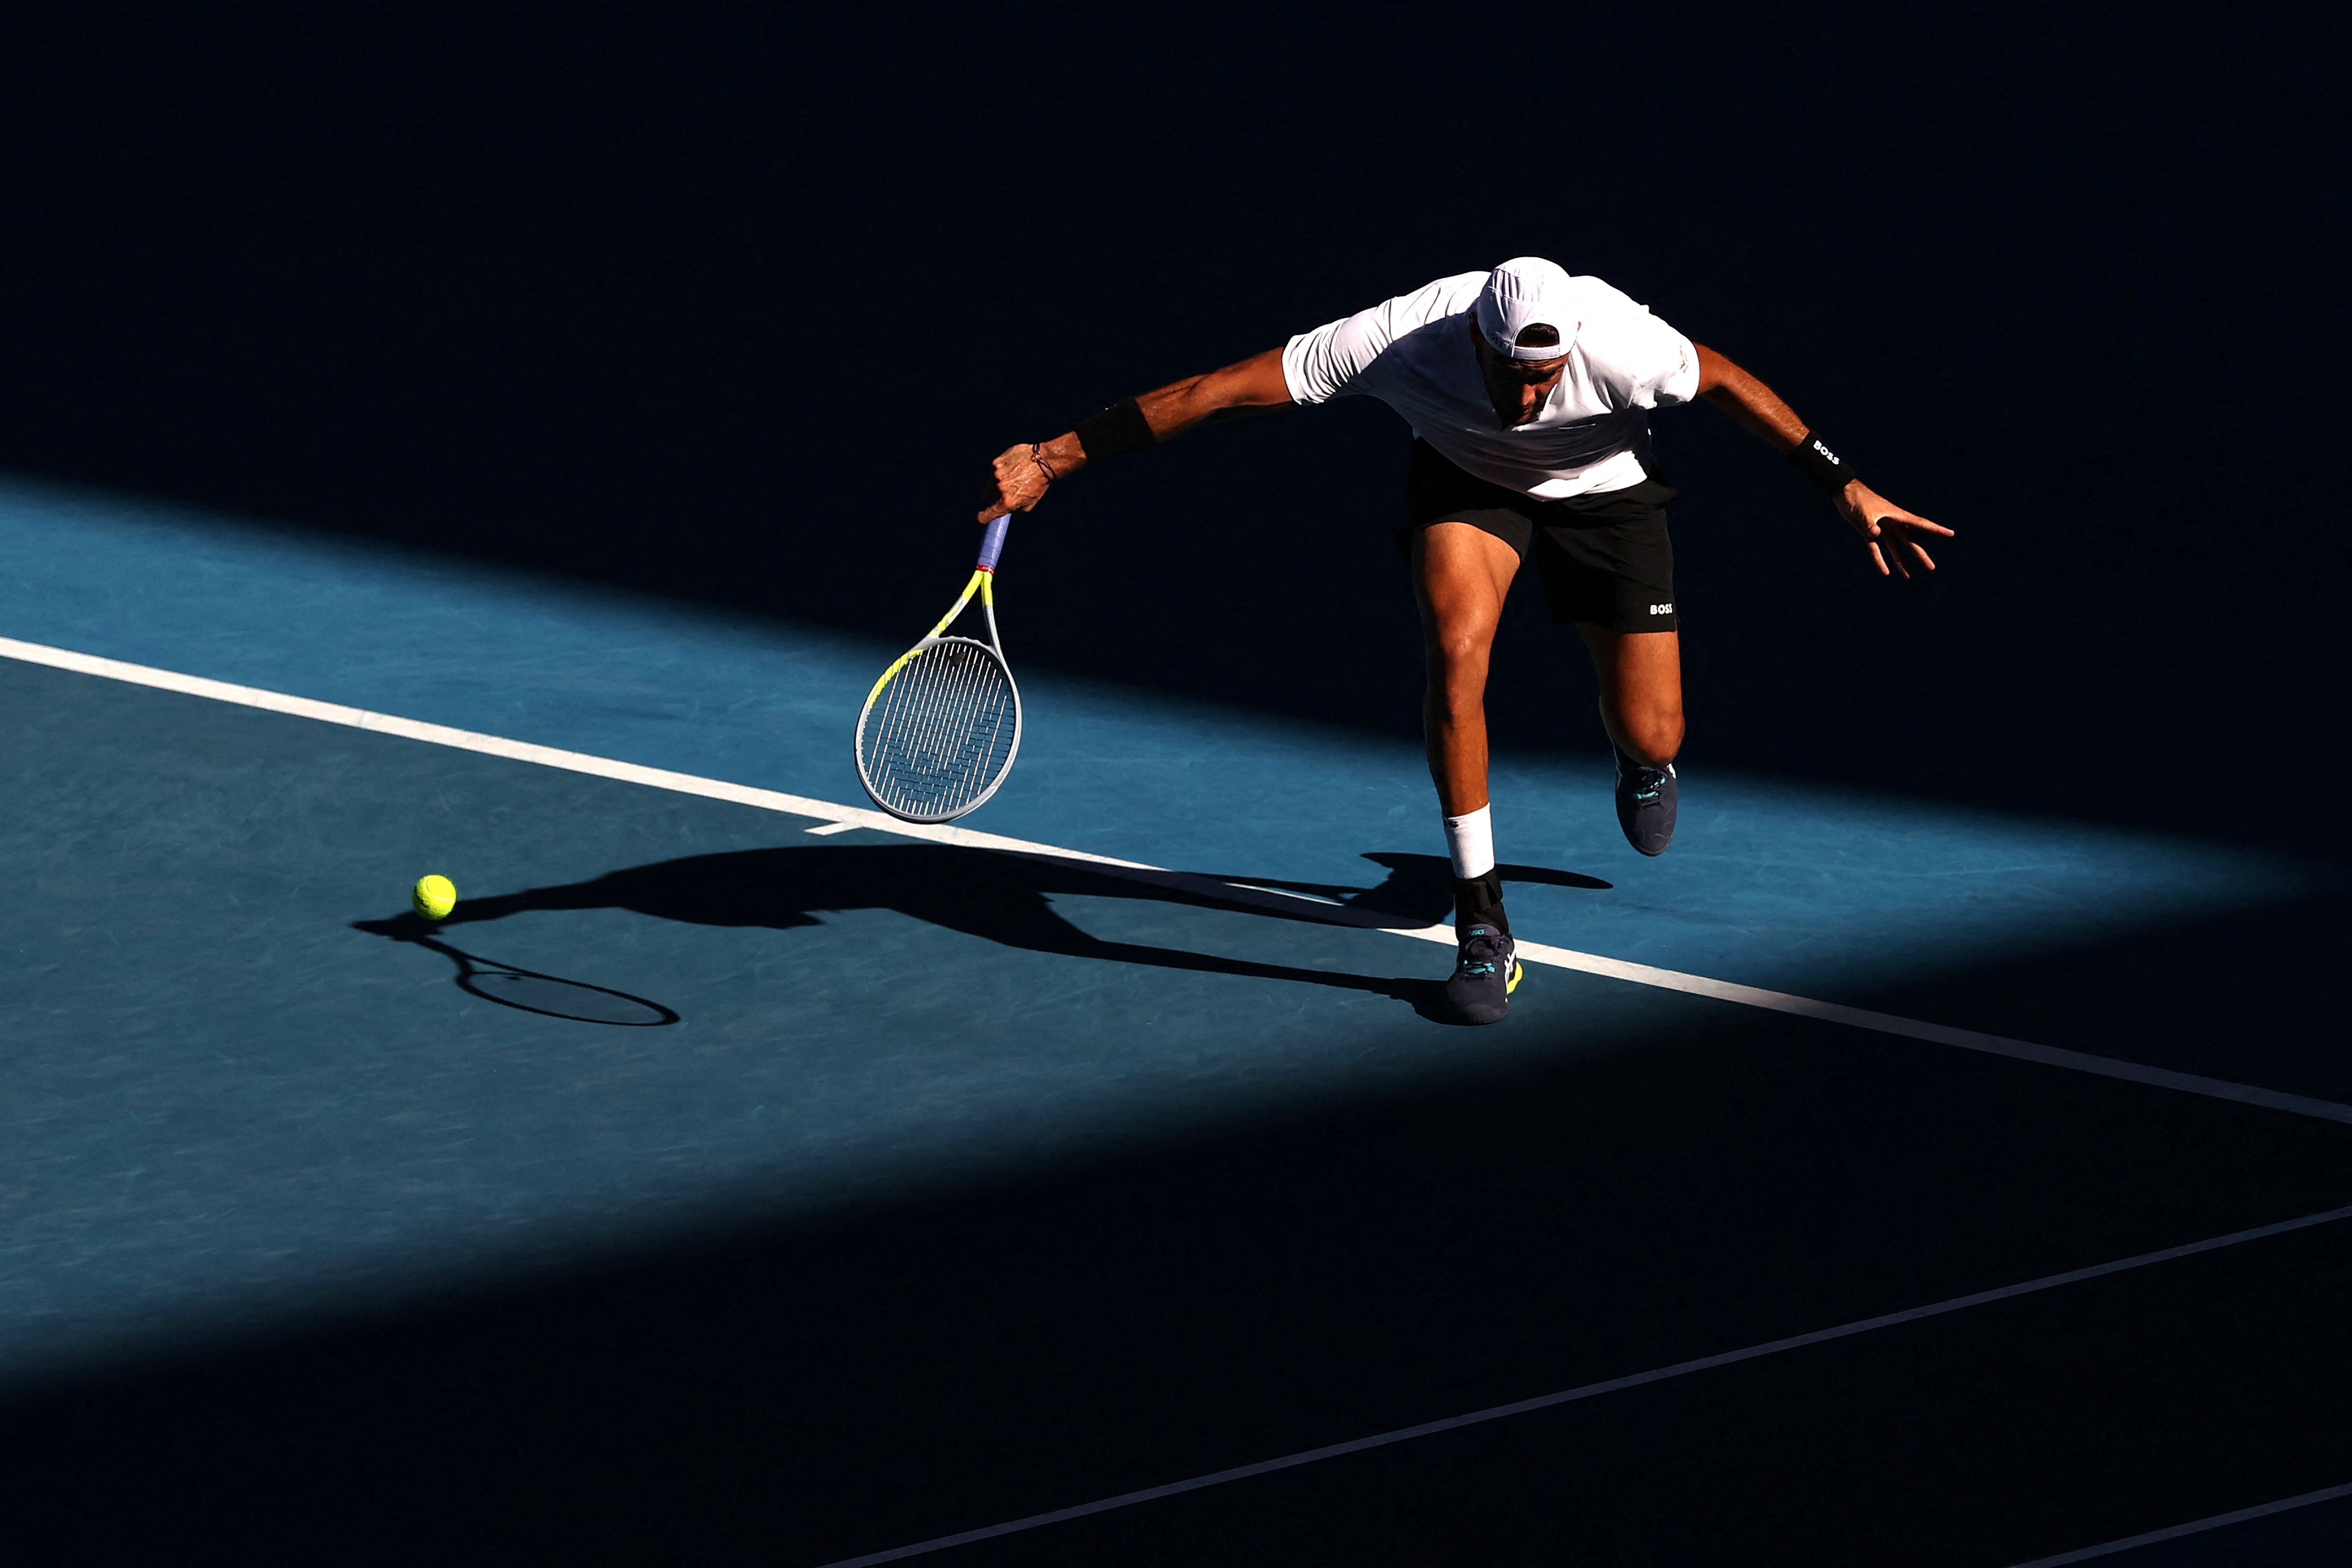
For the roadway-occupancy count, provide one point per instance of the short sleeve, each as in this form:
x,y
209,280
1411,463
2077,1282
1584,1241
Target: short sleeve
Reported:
x,y
1337,358
1640,358
1675,367
1660,365
1324,364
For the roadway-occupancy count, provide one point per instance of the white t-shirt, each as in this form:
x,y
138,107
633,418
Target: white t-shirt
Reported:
x,y
1413,353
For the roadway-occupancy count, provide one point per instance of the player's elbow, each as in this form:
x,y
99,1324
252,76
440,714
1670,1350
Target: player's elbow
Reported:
x,y
1257,382
1716,372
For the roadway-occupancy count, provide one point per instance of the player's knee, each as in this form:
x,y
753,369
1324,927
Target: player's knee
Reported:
x,y
1458,663
1461,639
1653,738
1459,673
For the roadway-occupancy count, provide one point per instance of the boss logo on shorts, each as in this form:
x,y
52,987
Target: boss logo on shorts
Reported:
x,y
1661,609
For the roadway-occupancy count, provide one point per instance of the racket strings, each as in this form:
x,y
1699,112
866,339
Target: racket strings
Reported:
x,y
942,732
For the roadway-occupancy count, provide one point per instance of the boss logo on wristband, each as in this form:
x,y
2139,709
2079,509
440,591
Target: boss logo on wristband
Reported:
x,y
1818,463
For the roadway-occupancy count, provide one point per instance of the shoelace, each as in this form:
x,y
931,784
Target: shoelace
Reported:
x,y
1478,953
1648,783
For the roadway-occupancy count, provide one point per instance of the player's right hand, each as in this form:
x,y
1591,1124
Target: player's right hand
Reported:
x,y
1018,483
1891,533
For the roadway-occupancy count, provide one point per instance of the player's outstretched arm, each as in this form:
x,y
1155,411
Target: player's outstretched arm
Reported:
x,y
1894,535
1023,474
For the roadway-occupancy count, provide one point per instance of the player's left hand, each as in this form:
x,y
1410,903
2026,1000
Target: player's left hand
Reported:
x,y
1892,534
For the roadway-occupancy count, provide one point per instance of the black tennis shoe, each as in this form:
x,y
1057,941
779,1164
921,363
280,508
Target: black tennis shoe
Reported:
x,y
1486,971
1645,803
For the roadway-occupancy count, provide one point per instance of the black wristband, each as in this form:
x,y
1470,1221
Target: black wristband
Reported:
x,y
1818,463
1120,428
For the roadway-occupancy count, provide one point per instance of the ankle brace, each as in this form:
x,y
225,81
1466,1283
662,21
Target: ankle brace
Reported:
x,y
1479,901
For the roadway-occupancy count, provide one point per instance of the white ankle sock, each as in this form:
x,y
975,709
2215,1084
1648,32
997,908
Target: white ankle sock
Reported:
x,y
1470,839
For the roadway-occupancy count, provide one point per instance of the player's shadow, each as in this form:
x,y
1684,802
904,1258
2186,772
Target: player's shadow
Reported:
x,y
1419,888
1003,897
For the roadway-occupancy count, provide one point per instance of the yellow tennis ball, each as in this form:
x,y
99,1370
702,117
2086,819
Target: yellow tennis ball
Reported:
x,y
435,897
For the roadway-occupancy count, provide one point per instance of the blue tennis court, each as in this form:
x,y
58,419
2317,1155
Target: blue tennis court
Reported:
x,y
836,1194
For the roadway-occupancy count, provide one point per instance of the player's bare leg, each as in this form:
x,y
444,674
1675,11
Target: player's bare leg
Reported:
x,y
1641,690
1642,706
1461,576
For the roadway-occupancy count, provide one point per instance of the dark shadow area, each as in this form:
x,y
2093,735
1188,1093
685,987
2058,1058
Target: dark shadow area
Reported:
x,y
527,990
1002,897
799,1391
734,306
2252,996
1789,1460
2318,1534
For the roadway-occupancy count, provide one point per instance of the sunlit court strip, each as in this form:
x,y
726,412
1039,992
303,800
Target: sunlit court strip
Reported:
x,y
1661,1375
836,819
829,818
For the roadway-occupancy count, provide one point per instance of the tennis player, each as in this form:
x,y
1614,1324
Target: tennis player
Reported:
x,y
1529,393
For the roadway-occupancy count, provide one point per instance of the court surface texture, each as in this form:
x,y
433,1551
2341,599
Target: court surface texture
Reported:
x,y
737,1177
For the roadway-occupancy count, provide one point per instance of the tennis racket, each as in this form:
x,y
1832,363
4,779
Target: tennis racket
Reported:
x,y
940,729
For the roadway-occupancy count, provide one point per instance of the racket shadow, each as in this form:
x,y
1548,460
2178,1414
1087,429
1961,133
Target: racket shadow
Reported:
x,y
1004,899
526,990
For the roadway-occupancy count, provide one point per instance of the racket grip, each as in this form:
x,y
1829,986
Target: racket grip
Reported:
x,y
991,543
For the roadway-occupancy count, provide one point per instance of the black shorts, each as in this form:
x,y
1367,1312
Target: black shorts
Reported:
x,y
1604,558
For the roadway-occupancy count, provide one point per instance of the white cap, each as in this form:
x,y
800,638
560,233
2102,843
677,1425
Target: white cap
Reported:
x,y
1523,292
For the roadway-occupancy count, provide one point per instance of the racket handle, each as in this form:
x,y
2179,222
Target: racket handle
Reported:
x,y
991,543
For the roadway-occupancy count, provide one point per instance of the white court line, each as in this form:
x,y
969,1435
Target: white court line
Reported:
x,y
846,816
2195,1527
1657,1375
842,818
